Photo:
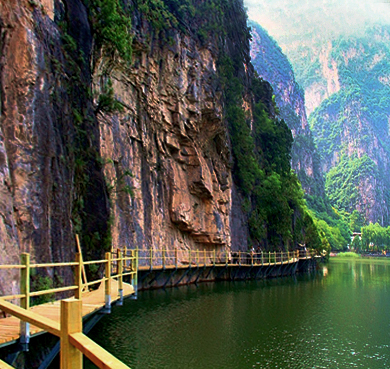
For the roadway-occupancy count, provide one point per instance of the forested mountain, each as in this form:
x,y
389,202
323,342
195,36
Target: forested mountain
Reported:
x,y
351,127
271,64
339,52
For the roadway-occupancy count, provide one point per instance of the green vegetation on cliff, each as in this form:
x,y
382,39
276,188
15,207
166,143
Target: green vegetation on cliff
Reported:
x,y
270,62
273,198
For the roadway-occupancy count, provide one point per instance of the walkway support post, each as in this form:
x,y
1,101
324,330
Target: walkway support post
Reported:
x,y
120,277
78,277
25,301
107,283
71,322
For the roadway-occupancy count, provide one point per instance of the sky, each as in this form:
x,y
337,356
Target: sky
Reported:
x,y
283,18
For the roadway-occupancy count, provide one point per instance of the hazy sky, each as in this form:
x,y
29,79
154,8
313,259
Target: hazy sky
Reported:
x,y
282,17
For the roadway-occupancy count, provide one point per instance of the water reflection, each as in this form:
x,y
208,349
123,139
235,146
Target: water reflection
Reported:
x,y
336,318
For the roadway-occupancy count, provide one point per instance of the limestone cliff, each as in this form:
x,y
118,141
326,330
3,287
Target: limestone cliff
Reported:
x,y
142,125
154,173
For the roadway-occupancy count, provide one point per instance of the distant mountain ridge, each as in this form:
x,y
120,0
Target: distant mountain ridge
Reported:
x,y
345,73
351,127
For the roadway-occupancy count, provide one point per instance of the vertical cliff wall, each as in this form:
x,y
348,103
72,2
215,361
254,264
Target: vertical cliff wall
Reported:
x,y
36,182
154,173
118,123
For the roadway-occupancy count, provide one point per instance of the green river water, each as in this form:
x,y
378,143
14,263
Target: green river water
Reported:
x,y
338,317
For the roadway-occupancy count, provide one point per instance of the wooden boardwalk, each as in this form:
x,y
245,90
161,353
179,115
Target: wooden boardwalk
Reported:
x,y
92,302
209,265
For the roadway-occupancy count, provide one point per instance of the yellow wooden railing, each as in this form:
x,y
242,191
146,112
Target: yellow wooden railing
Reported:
x,y
73,342
164,258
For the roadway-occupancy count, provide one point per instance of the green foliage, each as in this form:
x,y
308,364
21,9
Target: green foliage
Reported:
x,y
107,103
375,237
343,182
348,255
111,30
277,213
333,235
356,221
119,184
157,13
41,283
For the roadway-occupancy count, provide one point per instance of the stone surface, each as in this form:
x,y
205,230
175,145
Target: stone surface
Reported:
x,y
163,178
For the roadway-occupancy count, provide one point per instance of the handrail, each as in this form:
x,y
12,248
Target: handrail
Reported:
x,y
102,359
73,342
4,365
25,266
164,258
30,317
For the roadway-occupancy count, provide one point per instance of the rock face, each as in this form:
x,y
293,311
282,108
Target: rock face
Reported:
x,y
172,139
157,174
273,66
35,186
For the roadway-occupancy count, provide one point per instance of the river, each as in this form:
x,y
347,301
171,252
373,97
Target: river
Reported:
x,y
338,317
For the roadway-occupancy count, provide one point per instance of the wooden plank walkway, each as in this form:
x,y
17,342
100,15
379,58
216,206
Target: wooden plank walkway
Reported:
x,y
92,302
210,265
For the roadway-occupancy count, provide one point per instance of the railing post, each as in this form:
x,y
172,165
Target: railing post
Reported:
x,y
226,257
197,258
163,258
107,283
189,258
214,257
251,258
275,257
78,276
125,262
239,258
71,322
262,259
120,276
151,258
25,301
204,260
134,268
176,259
